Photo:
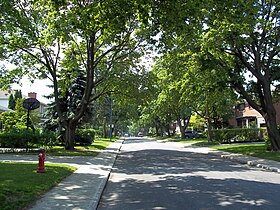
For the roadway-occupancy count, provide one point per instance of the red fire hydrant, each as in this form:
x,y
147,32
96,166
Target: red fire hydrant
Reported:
x,y
41,157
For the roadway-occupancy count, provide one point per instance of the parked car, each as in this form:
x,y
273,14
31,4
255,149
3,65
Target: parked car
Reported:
x,y
191,134
140,134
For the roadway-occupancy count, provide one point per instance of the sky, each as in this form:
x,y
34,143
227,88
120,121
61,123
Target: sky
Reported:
x,y
39,87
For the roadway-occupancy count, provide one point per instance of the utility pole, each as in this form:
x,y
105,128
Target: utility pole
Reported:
x,y
111,107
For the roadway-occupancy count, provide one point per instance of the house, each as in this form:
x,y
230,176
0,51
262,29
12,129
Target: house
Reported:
x,y
4,109
246,116
4,100
42,107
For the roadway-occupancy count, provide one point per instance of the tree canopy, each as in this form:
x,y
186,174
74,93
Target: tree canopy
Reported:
x,y
93,48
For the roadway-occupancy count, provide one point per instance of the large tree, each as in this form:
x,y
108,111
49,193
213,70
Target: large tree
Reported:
x,y
54,38
170,106
241,37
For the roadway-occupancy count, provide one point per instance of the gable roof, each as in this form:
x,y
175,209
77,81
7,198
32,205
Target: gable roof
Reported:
x,y
4,109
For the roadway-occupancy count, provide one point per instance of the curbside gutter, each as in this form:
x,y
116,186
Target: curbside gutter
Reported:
x,y
95,201
269,165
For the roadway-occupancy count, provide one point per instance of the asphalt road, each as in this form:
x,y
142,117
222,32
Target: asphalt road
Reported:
x,y
157,175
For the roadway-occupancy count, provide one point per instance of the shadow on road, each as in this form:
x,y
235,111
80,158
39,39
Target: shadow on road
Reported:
x,y
169,179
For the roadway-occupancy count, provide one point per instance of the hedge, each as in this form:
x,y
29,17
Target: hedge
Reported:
x,y
239,135
23,138
86,133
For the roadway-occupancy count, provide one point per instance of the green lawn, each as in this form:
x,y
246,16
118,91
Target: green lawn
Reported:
x,y
195,142
256,150
92,150
20,184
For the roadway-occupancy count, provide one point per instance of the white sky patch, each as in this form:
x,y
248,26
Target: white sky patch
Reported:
x,y
39,86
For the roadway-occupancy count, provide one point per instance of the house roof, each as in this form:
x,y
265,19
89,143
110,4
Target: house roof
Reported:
x,y
5,93
4,109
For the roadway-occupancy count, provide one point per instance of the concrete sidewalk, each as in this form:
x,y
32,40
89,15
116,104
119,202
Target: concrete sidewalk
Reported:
x,y
80,190
83,188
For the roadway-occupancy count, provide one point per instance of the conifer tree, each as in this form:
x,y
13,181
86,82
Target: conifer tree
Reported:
x,y
12,102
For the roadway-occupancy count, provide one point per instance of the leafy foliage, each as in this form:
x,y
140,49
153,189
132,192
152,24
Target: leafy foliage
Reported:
x,y
238,135
27,138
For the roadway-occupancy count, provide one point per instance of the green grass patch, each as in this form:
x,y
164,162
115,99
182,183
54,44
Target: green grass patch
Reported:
x,y
255,150
196,142
91,150
20,184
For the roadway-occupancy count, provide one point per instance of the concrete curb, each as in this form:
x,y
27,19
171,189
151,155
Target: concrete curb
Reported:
x,y
269,165
95,202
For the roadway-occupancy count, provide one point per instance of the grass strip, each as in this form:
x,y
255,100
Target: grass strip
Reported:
x,y
20,184
91,150
255,150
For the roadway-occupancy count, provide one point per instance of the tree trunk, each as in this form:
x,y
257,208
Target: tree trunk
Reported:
x,y
70,131
182,131
105,130
273,133
209,126
173,129
183,124
167,126
157,130
209,130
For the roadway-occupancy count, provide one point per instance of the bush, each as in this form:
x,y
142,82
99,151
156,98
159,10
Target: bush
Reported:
x,y
238,135
86,133
85,136
23,138
48,139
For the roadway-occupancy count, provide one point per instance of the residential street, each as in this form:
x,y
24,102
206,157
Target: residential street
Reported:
x,y
151,174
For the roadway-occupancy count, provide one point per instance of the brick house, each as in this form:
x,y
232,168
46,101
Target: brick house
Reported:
x,y
246,116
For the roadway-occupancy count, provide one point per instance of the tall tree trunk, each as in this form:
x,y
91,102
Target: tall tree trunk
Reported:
x,y
183,124
209,126
173,129
70,130
105,130
182,131
167,129
209,130
273,133
157,129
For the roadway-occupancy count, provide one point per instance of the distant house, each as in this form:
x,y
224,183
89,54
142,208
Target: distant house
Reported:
x,y
4,109
4,100
246,116
42,107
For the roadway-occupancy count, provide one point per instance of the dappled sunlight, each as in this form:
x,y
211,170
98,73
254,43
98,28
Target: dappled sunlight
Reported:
x,y
158,175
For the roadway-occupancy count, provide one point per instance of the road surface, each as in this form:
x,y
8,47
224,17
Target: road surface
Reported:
x,y
150,174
